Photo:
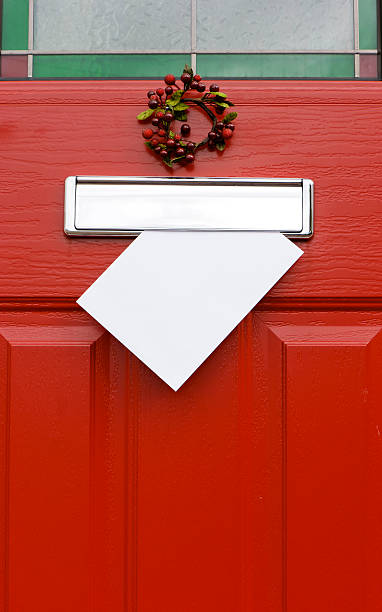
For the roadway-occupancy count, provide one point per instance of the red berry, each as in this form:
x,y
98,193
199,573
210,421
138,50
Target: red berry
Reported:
x,y
160,91
169,91
201,87
170,143
227,133
190,146
158,149
155,121
194,84
220,125
160,114
214,87
168,117
190,158
150,93
163,153
161,133
211,145
177,137
153,104
180,151
155,142
169,79
230,126
197,77
147,133
186,78
212,135
185,129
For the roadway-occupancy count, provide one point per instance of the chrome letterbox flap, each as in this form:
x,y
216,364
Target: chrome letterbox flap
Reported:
x,y
126,206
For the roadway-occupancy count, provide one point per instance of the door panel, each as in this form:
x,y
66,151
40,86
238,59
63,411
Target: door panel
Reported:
x,y
62,387
257,485
329,132
333,464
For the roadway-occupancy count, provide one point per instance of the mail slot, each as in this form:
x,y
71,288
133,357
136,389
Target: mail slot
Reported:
x,y
126,206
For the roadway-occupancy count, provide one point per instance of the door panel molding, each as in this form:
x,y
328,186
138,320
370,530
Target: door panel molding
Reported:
x,y
332,464
39,304
62,466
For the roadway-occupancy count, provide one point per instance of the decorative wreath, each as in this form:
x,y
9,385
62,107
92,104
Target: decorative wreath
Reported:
x,y
170,104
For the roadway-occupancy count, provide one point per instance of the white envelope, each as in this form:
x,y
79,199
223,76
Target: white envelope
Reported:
x,y
171,297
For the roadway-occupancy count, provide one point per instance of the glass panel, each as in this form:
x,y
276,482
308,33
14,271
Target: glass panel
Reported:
x,y
277,66
108,65
368,24
14,66
368,66
115,25
15,24
245,25
122,24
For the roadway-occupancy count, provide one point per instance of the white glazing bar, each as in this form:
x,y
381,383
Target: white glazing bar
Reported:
x,y
30,38
357,73
193,34
208,52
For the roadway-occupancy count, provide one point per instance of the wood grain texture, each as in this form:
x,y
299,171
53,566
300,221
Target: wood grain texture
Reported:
x,y
328,132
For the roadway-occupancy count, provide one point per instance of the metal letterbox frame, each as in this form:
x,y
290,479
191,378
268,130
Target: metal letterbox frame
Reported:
x,y
126,206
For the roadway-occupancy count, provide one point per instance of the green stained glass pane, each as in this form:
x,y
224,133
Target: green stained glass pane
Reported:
x,y
15,24
108,65
368,24
277,66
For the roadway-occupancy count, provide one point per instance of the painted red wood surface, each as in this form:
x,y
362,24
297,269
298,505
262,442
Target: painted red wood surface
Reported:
x,y
257,486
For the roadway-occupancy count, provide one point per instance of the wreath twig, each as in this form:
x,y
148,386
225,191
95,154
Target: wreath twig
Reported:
x,y
170,104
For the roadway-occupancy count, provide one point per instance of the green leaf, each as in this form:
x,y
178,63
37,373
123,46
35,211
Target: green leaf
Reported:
x,y
149,145
229,117
221,98
180,115
181,106
167,161
222,105
175,98
220,146
171,134
145,114
220,94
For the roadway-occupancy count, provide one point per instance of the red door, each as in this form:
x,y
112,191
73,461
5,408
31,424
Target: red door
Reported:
x,y
258,485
